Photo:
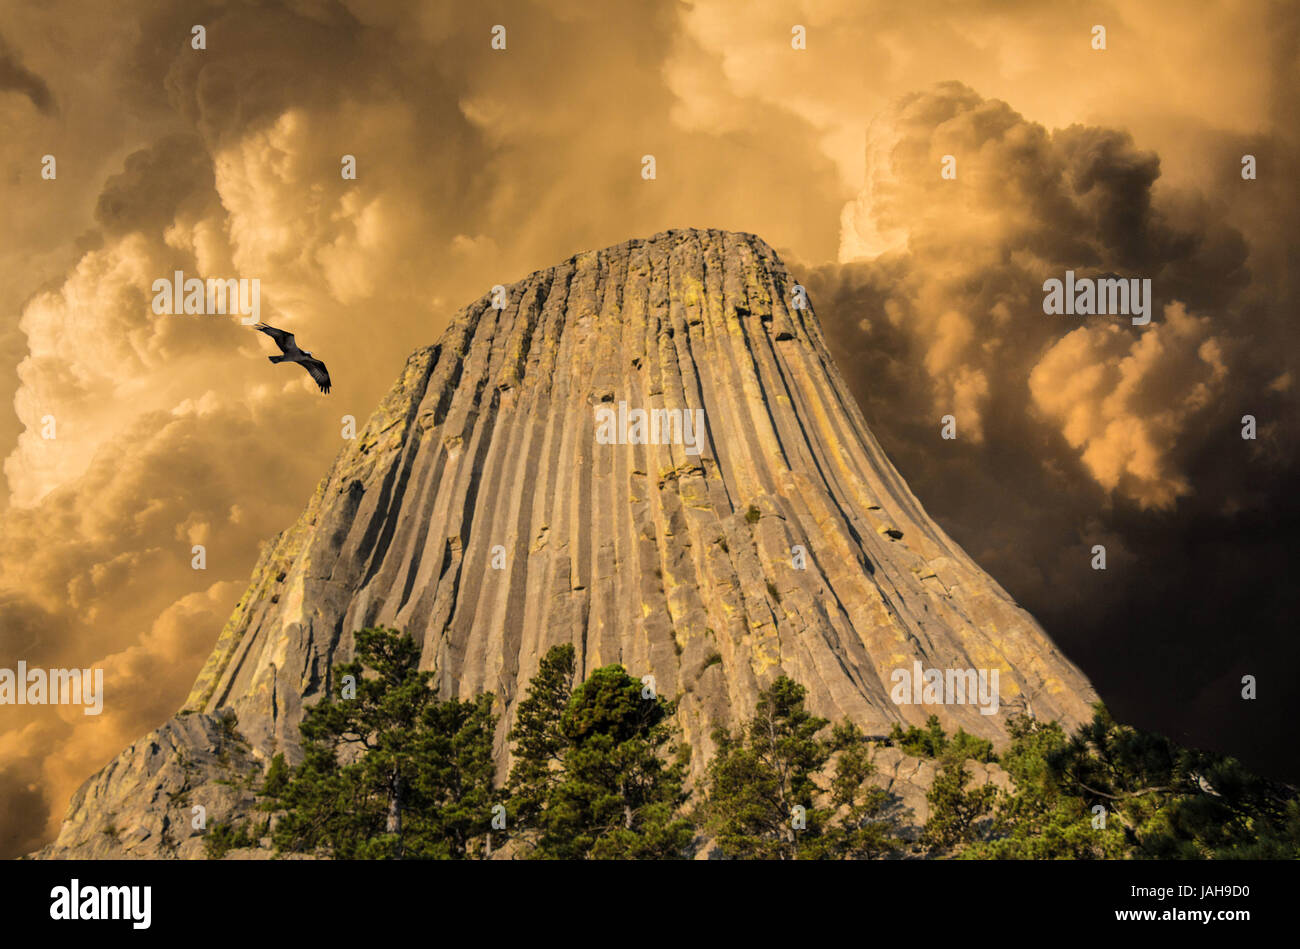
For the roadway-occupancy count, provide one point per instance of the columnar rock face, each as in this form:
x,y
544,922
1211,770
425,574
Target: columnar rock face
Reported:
x,y
502,499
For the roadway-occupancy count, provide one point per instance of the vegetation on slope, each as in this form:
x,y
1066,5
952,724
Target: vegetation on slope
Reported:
x,y
598,772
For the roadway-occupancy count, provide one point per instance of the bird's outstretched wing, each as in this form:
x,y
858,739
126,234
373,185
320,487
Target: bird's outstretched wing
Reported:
x,y
316,369
282,339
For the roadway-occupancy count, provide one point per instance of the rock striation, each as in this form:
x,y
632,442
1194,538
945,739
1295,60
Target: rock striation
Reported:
x,y
479,510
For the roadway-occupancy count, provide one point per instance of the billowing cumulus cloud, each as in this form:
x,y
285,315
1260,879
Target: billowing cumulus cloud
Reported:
x,y
961,279
1123,403
171,431
475,166
1078,432
98,574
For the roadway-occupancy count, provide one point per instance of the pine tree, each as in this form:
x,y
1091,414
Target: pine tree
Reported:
x,y
1113,791
933,742
861,829
455,781
391,772
538,743
955,810
1039,820
596,774
763,799
1177,803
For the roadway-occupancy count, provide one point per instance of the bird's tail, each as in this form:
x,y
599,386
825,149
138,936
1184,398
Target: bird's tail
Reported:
x,y
276,358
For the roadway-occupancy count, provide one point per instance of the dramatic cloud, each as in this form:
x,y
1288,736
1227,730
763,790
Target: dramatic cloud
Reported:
x,y
171,431
475,166
1121,403
1082,431
14,78
961,280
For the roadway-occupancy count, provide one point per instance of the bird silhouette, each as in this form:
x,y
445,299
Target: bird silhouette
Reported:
x,y
315,368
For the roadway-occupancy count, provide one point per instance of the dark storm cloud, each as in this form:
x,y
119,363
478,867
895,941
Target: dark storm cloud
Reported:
x,y
15,78
153,184
1089,430
476,167
961,291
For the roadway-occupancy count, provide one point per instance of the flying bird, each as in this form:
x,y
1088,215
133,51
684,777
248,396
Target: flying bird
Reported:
x,y
315,368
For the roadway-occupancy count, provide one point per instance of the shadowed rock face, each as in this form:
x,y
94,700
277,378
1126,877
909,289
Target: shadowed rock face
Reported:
x,y
479,511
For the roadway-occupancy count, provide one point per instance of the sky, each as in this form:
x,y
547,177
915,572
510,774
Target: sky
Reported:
x,y
475,166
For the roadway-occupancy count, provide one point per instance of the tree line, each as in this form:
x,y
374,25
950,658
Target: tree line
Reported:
x,y
599,771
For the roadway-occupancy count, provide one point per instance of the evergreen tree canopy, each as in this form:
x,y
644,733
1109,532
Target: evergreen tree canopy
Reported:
x,y
596,775
390,771
1114,791
763,798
